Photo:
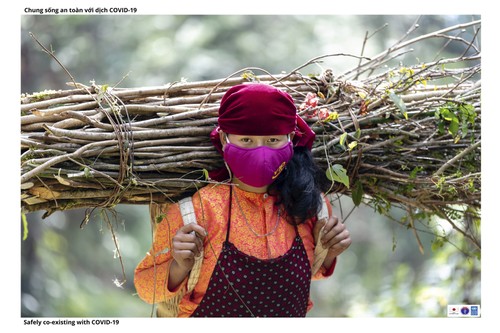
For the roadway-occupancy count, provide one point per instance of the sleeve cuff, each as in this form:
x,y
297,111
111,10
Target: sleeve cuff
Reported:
x,y
324,273
329,271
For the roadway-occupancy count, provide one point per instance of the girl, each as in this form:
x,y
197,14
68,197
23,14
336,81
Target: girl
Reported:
x,y
257,232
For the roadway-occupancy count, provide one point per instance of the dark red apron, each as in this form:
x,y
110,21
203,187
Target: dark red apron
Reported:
x,y
245,286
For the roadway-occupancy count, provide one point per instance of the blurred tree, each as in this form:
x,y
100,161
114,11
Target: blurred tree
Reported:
x,y
155,50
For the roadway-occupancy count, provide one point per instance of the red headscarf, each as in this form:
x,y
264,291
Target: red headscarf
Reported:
x,y
259,109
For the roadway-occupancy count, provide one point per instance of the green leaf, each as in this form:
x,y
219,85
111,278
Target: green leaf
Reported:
x,y
337,173
25,226
357,193
86,172
249,75
205,174
441,128
468,117
399,103
413,173
342,138
437,243
446,114
464,127
159,218
454,126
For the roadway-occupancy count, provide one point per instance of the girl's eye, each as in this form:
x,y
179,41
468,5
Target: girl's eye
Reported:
x,y
245,140
273,141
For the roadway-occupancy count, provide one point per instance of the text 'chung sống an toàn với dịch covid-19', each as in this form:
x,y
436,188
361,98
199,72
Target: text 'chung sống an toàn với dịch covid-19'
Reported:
x,y
76,10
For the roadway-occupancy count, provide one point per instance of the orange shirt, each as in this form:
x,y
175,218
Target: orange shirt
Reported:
x,y
252,213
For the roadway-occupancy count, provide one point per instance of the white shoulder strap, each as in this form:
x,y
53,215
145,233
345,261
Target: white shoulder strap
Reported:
x,y
189,216
187,210
323,213
319,251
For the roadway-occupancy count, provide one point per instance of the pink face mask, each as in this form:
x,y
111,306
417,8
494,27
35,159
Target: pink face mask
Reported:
x,y
258,166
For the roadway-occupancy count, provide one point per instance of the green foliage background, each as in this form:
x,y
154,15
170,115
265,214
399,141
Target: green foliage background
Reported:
x,y
68,271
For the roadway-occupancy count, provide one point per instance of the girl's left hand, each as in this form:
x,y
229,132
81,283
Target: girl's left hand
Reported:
x,y
335,237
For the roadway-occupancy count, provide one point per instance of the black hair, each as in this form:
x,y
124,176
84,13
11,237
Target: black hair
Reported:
x,y
299,187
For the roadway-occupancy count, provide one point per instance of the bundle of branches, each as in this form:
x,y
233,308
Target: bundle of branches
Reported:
x,y
402,135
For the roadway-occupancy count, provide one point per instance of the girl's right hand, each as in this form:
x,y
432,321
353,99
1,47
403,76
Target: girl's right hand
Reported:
x,y
187,244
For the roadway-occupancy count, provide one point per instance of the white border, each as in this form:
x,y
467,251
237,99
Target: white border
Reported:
x,y
11,88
